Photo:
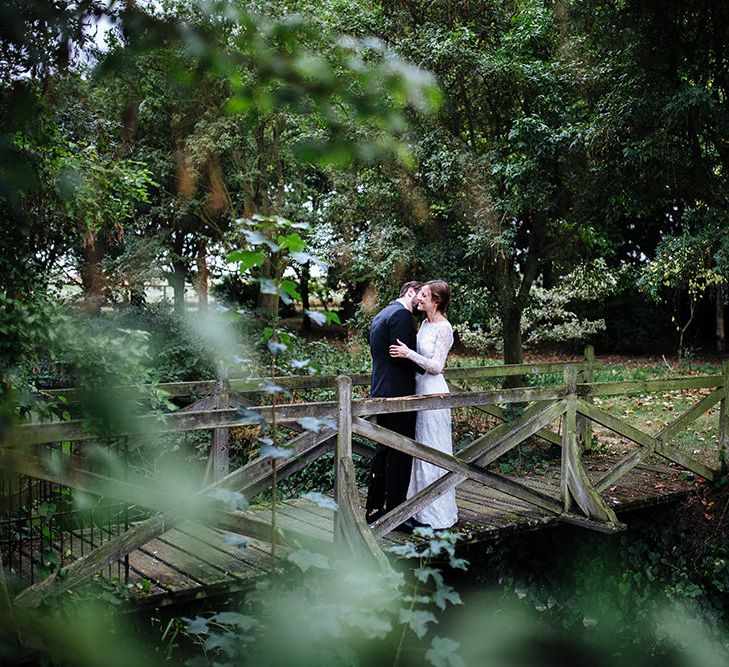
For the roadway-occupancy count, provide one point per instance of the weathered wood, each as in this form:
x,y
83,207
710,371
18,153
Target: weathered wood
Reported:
x,y
450,463
577,484
623,467
343,449
354,529
591,524
568,427
252,385
667,433
500,413
649,386
584,425
194,421
518,431
218,456
90,563
636,435
723,443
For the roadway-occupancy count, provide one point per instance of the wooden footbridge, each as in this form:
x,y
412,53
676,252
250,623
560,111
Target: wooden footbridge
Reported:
x,y
170,545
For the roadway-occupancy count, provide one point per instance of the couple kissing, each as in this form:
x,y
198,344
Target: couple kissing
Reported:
x,y
404,364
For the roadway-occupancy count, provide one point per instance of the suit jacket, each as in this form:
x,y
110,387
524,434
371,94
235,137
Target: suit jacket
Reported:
x,y
392,376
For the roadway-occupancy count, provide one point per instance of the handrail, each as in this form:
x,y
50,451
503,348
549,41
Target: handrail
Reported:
x,y
253,385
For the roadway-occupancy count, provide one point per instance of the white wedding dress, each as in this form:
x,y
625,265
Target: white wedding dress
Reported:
x,y
433,427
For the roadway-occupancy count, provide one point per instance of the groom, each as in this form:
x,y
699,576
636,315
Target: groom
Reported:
x,y
390,472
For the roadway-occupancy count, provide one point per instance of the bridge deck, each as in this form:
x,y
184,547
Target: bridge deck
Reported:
x,y
193,561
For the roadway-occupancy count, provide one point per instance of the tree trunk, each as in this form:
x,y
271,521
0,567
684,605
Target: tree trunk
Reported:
x,y
92,277
305,275
177,282
720,326
202,277
511,324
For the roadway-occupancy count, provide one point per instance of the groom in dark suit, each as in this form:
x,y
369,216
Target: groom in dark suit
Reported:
x,y
390,472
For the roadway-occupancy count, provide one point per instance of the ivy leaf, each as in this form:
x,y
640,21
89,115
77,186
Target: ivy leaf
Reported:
x,y
445,594
304,257
407,550
266,451
237,541
300,363
267,286
225,642
275,347
332,317
233,499
197,625
317,318
425,573
285,298
248,415
246,259
458,563
314,424
289,286
305,560
417,620
236,619
257,238
442,653
292,242
271,388
321,500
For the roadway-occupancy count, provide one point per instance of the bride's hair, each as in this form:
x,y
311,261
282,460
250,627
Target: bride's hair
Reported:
x,y
440,292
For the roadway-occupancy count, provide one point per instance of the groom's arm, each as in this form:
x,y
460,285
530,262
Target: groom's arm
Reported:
x,y
401,328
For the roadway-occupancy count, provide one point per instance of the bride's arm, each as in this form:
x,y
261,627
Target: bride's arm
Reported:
x,y
435,364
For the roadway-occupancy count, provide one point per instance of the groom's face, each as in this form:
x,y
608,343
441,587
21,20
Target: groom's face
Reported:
x,y
413,296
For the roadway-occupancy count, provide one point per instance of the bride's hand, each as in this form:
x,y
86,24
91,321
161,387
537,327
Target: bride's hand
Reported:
x,y
400,350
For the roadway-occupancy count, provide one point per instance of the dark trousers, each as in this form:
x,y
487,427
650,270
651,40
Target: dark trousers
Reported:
x,y
390,470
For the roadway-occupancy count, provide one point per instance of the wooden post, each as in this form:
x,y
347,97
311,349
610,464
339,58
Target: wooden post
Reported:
x,y
344,446
584,425
724,422
569,433
219,458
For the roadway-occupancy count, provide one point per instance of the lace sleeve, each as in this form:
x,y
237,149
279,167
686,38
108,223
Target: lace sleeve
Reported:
x,y
443,343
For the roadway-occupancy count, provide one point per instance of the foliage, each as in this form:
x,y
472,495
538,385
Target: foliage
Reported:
x,y
548,317
343,614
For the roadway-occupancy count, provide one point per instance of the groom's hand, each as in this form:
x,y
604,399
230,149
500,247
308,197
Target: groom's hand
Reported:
x,y
400,350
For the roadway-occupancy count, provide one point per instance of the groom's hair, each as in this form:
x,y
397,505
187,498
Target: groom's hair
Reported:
x,y
413,283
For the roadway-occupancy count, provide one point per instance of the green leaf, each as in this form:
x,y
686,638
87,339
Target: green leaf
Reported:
x,y
292,242
321,500
305,560
417,620
275,347
236,619
266,451
316,318
445,594
247,259
442,653
197,625
289,286
314,424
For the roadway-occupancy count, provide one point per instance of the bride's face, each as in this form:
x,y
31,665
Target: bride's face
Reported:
x,y
424,300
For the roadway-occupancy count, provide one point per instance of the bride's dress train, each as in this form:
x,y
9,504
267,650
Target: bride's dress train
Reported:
x,y
433,427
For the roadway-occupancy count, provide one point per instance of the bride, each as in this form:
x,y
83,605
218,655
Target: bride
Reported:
x,y
432,427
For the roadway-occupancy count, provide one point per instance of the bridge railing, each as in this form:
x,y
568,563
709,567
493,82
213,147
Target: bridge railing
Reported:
x,y
37,451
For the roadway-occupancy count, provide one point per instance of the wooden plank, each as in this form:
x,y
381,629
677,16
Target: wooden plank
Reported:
x,y
343,450
584,425
690,415
185,563
159,573
545,434
723,443
622,468
636,435
450,463
649,386
519,430
29,434
576,482
355,531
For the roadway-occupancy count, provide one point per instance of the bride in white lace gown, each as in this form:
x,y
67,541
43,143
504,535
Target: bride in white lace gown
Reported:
x,y
432,427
